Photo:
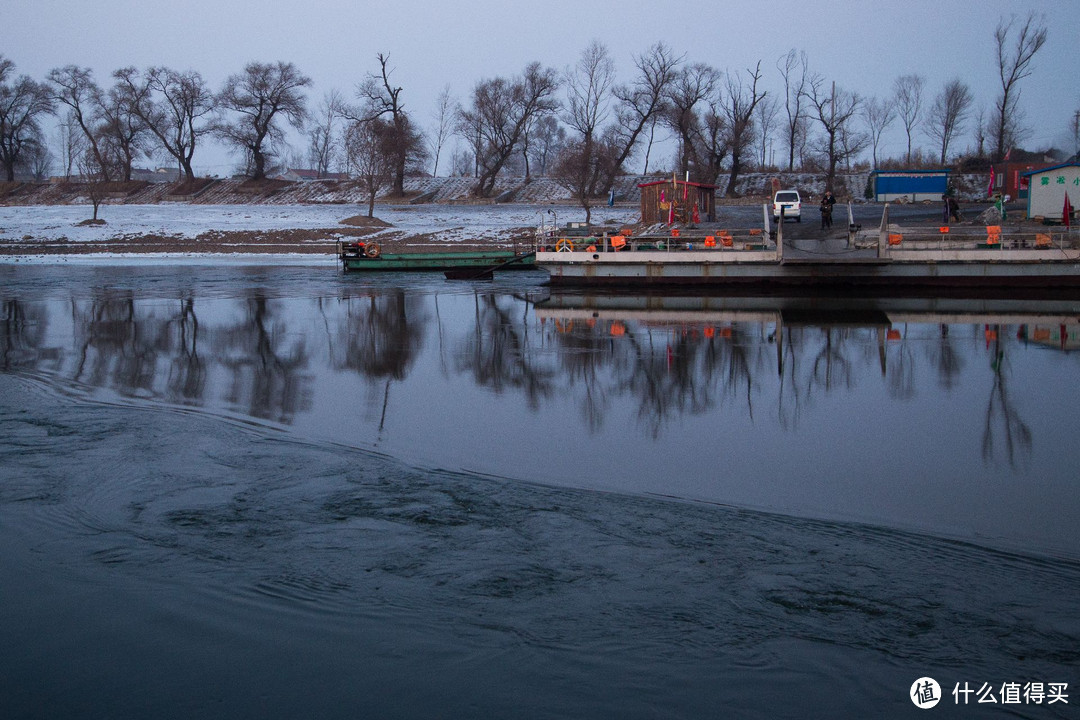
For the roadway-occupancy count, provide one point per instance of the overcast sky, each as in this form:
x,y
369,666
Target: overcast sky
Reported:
x,y
862,46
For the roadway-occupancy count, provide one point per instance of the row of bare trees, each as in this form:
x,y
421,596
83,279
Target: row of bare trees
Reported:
x,y
104,130
580,125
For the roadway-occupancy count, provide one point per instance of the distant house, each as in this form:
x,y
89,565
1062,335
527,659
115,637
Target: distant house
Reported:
x,y
1048,187
160,175
667,201
915,185
1011,178
299,175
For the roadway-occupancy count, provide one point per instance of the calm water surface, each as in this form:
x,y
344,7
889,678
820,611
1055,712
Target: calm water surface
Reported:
x,y
257,492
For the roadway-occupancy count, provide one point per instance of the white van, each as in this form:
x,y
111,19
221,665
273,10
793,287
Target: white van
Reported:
x,y
788,201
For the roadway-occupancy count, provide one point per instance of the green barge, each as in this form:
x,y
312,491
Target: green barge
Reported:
x,y
361,257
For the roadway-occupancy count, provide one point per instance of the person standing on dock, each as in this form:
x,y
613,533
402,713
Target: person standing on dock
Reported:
x,y
827,202
953,209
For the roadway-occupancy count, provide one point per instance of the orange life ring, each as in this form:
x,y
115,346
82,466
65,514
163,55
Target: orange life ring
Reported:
x,y
564,245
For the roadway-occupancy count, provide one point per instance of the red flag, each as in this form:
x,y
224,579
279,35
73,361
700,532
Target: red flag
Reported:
x,y
1066,211
990,187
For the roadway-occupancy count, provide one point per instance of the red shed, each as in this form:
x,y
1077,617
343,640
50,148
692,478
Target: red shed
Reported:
x,y
677,201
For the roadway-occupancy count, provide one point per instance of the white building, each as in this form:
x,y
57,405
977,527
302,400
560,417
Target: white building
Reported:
x,y
1048,187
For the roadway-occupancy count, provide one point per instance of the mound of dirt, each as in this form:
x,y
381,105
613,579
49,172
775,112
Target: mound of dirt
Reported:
x,y
90,221
365,221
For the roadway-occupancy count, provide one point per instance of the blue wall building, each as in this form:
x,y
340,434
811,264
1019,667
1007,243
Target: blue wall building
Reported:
x,y
915,185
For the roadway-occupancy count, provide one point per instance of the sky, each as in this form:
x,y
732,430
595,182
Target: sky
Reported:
x,y
433,44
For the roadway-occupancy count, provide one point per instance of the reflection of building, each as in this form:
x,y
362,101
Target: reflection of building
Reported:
x,y
1058,337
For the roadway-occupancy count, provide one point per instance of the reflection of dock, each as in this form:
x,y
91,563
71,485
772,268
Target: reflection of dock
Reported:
x,y
1043,322
825,311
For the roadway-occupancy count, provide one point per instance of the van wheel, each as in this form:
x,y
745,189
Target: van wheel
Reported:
x,y
798,219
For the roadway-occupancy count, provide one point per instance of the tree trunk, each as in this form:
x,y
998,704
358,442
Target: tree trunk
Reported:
x,y
736,167
260,165
371,204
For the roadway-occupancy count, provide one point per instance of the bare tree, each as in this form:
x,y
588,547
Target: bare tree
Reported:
x,y
980,132
946,117
37,160
381,98
94,176
75,87
445,111
642,102
879,115
124,134
588,92
372,152
259,96
322,145
72,143
765,119
835,110
740,101
498,115
1014,64
692,89
174,107
794,68
22,103
908,91
548,140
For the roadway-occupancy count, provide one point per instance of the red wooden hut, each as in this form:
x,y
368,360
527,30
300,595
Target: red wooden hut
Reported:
x,y
677,201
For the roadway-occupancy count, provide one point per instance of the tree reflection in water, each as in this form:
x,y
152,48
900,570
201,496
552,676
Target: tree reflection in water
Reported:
x,y
380,335
1001,416
498,355
262,356
946,359
187,373
24,332
671,369
266,362
115,347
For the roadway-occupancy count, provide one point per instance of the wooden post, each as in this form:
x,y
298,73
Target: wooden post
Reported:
x,y
883,232
780,236
850,226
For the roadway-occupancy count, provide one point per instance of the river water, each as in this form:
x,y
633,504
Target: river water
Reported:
x,y
242,491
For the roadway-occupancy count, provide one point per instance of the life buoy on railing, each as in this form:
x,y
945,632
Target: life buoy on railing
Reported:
x,y
372,250
564,245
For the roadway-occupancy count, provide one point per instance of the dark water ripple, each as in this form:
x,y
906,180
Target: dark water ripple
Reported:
x,y
326,579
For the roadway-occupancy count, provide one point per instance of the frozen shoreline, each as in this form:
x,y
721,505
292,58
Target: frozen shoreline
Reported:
x,y
193,258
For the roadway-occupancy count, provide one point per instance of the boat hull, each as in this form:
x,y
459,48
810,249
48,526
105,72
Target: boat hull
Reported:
x,y
438,261
988,269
